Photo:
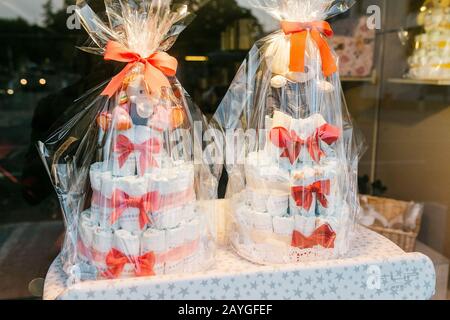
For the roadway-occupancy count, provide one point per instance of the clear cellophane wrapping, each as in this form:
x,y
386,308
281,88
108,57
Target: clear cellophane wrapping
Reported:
x,y
293,180
431,57
123,164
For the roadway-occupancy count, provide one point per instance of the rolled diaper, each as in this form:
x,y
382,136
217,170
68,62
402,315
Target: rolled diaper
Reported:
x,y
86,233
154,241
123,161
162,181
136,188
129,221
109,185
305,225
174,184
262,221
97,173
267,178
129,245
283,226
277,203
102,245
167,219
175,239
104,219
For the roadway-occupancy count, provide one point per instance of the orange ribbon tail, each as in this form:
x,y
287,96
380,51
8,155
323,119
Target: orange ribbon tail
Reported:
x,y
299,33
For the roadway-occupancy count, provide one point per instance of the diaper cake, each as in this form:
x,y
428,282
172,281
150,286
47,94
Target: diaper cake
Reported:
x,y
431,57
294,192
124,166
143,219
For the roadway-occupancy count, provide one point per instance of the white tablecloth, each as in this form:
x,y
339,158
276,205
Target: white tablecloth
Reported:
x,y
374,269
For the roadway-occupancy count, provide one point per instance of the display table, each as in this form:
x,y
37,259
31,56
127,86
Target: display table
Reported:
x,y
374,269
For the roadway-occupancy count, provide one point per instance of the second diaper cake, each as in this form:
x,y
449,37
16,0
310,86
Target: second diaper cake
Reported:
x,y
293,182
431,57
123,164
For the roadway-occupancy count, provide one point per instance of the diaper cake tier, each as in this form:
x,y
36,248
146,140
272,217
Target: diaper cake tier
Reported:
x,y
293,208
431,57
294,193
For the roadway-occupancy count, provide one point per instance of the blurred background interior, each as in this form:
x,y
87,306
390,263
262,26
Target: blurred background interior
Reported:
x,y
405,121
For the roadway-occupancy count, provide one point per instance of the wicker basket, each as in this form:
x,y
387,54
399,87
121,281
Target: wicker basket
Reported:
x,y
391,209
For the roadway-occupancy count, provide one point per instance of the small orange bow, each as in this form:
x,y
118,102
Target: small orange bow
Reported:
x,y
121,201
158,67
299,32
147,150
303,196
323,236
116,261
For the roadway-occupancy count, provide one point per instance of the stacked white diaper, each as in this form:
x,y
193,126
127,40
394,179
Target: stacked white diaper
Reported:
x,y
292,210
140,218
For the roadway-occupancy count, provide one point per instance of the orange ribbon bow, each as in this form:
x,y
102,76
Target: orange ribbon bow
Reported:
x,y
292,144
303,196
147,204
121,201
299,32
324,236
157,67
124,147
116,261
